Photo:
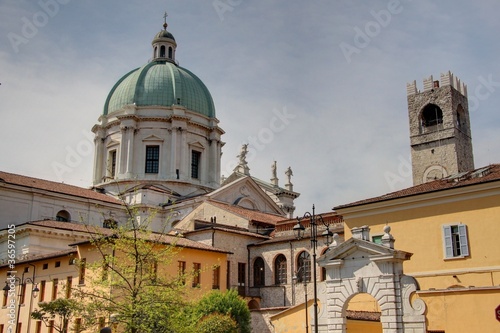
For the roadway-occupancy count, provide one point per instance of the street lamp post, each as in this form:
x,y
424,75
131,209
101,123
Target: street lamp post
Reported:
x,y
298,231
21,281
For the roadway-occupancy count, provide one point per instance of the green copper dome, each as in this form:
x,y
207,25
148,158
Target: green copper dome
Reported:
x,y
161,83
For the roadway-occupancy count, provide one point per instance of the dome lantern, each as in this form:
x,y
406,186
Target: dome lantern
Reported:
x,y
164,44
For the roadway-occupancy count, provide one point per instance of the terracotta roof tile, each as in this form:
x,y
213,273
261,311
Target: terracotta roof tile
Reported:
x,y
31,258
55,187
486,174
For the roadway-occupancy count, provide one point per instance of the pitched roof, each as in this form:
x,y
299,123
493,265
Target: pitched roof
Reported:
x,y
249,214
47,185
36,257
222,227
490,173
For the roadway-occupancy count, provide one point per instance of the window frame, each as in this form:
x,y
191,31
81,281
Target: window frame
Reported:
x,y
152,159
280,269
304,259
452,249
259,272
195,164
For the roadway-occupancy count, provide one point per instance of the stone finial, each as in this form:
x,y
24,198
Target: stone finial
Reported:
x,y
289,174
242,166
274,179
335,240
387,239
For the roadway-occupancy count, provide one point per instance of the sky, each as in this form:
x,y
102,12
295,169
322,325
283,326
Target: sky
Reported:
x,y
318,86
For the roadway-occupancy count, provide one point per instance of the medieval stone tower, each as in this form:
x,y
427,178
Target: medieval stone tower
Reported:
x,y
440,133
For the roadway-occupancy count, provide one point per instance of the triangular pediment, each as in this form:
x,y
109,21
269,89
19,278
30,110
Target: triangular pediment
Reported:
x,y
152,138
358,248
245,192
112,143
196,144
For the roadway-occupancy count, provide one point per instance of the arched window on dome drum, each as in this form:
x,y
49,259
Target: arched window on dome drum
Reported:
x,y
432,115
63,216
304,261
170,52
280,269
156,52
162,51
258,272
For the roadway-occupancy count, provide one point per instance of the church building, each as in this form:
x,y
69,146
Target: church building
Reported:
x,y
422,259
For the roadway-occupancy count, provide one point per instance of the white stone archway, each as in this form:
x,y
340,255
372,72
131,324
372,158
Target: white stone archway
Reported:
x,y
361,266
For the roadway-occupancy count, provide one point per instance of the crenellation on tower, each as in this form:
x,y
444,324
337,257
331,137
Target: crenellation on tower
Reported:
x,y
428,83
411,88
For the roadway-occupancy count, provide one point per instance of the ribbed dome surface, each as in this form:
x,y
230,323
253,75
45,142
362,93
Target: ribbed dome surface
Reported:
x,y
161,83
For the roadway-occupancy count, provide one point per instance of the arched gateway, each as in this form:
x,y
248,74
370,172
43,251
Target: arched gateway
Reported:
x,y
361,266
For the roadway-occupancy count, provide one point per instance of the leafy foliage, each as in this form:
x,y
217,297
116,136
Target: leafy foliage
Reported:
x,y
226,303
127,280
63,310
217,323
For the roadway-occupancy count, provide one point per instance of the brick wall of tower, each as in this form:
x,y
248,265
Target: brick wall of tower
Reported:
x,y
448,144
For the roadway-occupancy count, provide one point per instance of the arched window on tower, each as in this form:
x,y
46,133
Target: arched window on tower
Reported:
x,y
280,269
304,261
258,272
156,52
432,115
170,52
162,51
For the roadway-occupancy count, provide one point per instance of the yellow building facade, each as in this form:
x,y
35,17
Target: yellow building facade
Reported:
x,y
451,228
44,278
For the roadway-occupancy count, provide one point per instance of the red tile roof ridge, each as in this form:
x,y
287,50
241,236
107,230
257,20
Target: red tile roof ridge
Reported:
x,y
490,173
48,185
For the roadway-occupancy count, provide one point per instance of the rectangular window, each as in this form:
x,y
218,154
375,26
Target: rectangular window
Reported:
x,y
455,241
69,285
196,275
1,328
102,322
58,264
4,302
228,275
195,164
55,282
112,163
81,273
77,325
181,269
241,274
216,278
41,296
38,326
152,159
51,326
45,266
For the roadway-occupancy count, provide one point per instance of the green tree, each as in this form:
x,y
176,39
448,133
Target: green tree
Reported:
x,y
127,281
226,303
217,323
58,313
